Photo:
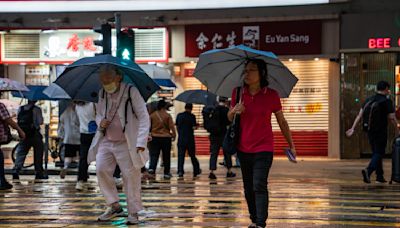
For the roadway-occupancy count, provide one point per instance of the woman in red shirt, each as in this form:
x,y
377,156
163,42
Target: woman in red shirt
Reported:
x,y
256,146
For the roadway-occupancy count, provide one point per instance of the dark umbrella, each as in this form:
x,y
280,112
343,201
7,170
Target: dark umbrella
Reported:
x,y
80,80
35,93
197,96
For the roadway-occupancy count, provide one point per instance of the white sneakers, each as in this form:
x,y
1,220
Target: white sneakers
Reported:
x,y
132,220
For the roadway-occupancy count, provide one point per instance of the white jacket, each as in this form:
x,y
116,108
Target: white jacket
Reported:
x,y
137,127
68,127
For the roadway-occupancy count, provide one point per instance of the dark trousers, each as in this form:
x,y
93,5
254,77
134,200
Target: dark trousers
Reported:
x,y
35,141
255,169
191,148
117,172
157,145
378,146
215,144
2,175
86,141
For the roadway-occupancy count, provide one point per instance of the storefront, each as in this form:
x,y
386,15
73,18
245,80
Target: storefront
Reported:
x,y
303,47
370,47
37,57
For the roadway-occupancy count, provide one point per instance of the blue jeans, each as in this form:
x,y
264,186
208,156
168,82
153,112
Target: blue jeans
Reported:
x,y
255,169
378,146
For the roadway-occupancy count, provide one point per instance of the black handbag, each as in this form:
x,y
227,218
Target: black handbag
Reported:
x,y
231,138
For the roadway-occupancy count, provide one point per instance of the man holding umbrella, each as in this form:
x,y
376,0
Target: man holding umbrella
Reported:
x,y
124,126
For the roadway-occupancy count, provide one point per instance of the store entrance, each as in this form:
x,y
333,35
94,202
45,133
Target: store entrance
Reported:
x,y
359,74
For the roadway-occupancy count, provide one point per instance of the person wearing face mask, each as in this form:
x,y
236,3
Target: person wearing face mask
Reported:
x,y
375,113
121,139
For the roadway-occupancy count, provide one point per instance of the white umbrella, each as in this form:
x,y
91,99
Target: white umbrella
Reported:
x,y
221,70
11,85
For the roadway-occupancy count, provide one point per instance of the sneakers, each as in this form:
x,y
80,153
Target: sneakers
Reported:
x,y
195,174
366,176
63,173
6,186
81,186
253,225
380,180
212,176
118,183
41,177
167,176
111,213
132,220
230,174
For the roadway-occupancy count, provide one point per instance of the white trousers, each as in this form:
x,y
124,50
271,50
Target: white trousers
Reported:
x,y
109,155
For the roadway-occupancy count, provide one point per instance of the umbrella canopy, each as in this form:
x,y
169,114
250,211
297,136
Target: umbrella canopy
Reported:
x,y
160,75
197,96
37,93
11,85
55,92
221,70
81,81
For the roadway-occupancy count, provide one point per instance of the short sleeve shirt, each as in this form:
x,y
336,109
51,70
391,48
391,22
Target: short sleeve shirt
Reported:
x,y
4,114
255,122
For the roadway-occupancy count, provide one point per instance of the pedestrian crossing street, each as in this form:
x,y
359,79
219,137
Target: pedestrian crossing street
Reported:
x,y
310,194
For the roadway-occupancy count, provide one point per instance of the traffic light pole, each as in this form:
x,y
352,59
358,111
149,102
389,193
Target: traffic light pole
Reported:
x,y
117,17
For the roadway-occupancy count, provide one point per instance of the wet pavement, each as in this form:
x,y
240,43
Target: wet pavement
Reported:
x,y
313,193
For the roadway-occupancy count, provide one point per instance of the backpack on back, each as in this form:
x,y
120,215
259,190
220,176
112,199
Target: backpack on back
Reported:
x,y
25,121
372,115
211,118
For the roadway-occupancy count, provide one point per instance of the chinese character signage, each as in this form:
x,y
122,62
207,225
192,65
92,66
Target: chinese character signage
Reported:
x,y
68,45
282,38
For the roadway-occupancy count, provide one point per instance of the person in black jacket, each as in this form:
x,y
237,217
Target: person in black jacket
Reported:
x,y
186,123
377,132
217,137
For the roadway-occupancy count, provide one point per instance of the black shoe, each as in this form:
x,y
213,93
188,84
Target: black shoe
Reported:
x,y
6,186
41,177
167,176
15,176
195,174
230,174
380,180
212,176
180,175
152,172
365,176
222,163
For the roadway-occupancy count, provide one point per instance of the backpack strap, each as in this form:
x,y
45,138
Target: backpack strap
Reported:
x,y
128,101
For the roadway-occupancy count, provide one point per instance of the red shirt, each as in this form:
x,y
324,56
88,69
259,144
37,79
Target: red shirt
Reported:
x,y
255,122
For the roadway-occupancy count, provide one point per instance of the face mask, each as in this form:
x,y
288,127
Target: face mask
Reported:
x,y
110,88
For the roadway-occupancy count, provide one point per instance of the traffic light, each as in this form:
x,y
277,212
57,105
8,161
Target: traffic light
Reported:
x,y
105,30
126,45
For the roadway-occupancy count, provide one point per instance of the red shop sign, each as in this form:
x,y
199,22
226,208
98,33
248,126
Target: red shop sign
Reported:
x,y
282,38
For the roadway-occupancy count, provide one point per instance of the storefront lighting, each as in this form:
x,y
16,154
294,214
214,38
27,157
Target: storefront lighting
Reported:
x,y
42,63
47,31
381,51
3,31
65,64
22,64
191,62
290,60
316,59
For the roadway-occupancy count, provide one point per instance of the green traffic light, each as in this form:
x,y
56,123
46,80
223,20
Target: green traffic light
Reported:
x,y
126,54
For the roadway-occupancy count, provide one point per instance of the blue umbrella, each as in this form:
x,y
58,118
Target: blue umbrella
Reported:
x,y
81,81
160,75
197,96
221,70
165,82
35,93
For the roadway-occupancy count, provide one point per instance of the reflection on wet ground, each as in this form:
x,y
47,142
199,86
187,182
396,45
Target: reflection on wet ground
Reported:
x,y
310,194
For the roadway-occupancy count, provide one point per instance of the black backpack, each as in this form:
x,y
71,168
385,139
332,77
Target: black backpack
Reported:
x,y
25,121
372,115
211,118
